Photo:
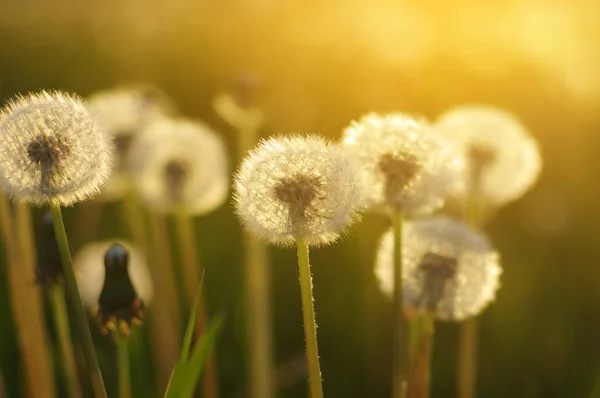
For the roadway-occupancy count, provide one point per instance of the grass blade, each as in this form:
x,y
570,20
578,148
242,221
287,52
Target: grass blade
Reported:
x,y
197,360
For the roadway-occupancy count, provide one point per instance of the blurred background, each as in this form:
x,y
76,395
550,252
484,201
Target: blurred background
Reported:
x,y
318,65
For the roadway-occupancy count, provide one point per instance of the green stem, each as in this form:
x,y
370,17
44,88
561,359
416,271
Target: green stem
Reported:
x,y
398,329
184,229
163,318
467,344
310,325
78,308
259,316
123,363
467,358
414,335
61,324
423,371
258,292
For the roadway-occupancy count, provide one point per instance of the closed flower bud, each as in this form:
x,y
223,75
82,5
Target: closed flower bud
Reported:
x,y
119,304
405,166
114,278
503,161
50,150
122,114
297,187
448,268
180,165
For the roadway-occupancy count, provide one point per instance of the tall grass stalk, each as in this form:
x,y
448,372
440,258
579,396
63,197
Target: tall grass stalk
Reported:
x,y
123,363
163,319
467,343
61,325
399,341
258,292
310,324
72,290
190,273
26,308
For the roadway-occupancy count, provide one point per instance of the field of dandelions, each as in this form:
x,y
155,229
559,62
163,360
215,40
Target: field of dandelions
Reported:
x,y
264,208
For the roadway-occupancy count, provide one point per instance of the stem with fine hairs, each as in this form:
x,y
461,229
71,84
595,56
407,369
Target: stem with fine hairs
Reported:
x,y
399,341
123,363
190,273
61,325
310,324
26,306
72,290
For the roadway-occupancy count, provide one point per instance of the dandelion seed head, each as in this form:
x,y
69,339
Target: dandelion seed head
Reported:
x,y
502,160
90,267
448,268
180,164
405,166
51,150
291,187
122,114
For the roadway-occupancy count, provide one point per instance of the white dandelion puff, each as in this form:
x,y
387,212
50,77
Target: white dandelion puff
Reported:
x,y
50,150
89,264
405,166
122,114
448,268
502,159
180,165
297,187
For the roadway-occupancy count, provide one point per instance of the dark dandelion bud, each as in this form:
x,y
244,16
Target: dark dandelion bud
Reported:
x,y
119,304
49,266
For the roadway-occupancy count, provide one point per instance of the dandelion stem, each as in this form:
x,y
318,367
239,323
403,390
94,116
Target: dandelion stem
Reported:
x,y
467,343
423,374
191,279
257,291
26,307
123,363
398,329
259,316
467,358
79,310
310,325
162,317
61,325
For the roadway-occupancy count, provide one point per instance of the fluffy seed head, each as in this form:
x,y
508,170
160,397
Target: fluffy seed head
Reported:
x,y
122,114
51,150
294,187
405,166
502,160
447,268
179,164
89,264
